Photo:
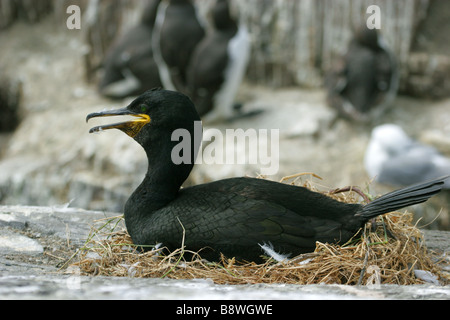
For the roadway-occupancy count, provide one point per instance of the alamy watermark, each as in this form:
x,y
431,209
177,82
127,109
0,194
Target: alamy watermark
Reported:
x,y
73,22
236,146
374,20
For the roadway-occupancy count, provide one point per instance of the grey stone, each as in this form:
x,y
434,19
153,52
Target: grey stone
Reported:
x,y
437,240
72,287
65,223
11,242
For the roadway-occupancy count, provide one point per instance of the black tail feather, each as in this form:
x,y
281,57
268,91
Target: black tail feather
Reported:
x,y
405,197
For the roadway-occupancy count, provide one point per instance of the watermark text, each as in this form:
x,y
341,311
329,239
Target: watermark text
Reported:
x,y
74,20
236,146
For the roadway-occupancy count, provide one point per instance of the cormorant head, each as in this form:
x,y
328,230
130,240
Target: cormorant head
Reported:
x,y
367,37
154,112
222,16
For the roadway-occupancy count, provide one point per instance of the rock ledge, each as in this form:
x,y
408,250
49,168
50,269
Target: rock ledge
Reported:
x,y
34,241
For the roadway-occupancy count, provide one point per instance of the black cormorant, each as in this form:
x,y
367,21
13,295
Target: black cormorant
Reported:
x,y
218,65
365,82
234,216
177,32
129,66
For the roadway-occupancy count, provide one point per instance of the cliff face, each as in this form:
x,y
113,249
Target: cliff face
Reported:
x,y
293,42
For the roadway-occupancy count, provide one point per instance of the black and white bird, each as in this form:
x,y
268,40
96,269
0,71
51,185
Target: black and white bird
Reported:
x,y
393,158
365,82
178,30
218,65
129,66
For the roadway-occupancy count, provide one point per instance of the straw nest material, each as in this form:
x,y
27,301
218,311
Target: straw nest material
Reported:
x,y
390,250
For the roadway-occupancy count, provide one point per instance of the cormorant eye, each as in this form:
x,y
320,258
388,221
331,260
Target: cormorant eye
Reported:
x,y
143,108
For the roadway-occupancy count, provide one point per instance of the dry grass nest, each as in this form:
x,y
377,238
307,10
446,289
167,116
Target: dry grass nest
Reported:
x,y
390,250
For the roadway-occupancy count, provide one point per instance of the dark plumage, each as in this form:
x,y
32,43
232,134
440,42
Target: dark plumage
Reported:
x,y
129,66
218,65
365,82
177,32
233,216
10,103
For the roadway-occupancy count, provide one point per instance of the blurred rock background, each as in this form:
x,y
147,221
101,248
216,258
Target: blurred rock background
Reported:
x,y
48,77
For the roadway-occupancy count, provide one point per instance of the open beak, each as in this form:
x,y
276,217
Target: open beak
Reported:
x,y
131,127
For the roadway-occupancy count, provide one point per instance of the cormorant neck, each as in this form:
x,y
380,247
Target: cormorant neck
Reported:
x,y
162,181
164,176
159,187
